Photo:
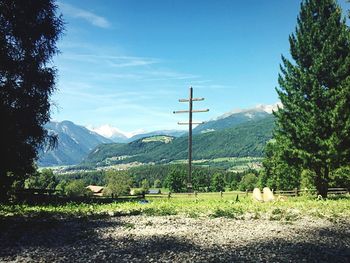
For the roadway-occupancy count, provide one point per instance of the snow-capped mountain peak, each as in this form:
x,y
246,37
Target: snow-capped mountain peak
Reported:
x,y
268,108
114,133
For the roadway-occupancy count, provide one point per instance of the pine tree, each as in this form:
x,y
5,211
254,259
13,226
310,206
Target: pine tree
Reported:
x,y
310,88
28,34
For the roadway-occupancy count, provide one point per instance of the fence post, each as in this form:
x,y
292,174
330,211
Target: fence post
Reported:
x,y
246,192
169,195
296,191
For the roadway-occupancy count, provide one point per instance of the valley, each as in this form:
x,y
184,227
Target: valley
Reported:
x,y
234,141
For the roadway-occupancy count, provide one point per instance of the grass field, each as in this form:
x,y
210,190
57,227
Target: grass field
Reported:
x,y
205,205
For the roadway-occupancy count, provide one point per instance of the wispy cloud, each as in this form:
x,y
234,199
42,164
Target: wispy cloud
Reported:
x,y
112,61
90,17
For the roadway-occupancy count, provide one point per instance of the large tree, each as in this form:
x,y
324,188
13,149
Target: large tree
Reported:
x,y
29,31
314,121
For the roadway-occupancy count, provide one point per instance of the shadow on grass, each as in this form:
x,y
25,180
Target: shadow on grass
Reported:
x,y
86,240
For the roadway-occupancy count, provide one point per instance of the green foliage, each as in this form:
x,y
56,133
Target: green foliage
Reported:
x,y
234,179
145,185
77,188
89,177
341,177
61,187
157,183
201,179
307,179
176,181
28,34
312,127
217,183
44,179
248,182
118,183
277,173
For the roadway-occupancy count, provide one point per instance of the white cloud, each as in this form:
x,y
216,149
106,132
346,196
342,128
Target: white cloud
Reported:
x,y
112,61
90,17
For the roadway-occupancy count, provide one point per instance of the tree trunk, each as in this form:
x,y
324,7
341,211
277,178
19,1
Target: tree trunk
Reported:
x,y
321,181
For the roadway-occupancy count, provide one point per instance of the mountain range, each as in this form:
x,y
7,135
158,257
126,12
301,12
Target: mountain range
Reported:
x,y
236,133
241,140
74,143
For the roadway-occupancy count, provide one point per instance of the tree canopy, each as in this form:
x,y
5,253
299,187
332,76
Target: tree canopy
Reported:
x,y
29,31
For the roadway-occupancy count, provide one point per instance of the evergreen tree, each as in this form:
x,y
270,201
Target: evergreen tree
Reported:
x,y
218,182
277,174
28,34
311,86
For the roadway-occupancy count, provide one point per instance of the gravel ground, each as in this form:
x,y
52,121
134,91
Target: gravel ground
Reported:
x,y
174,239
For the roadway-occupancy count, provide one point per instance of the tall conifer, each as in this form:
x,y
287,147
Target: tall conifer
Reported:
x,y
311,125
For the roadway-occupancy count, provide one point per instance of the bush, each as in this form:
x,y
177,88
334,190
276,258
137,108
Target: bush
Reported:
x,y
307,179
145,185
248,182
77,188
341,177
42,180
157,183
139,191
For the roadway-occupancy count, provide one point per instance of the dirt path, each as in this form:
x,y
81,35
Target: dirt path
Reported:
x,y
174,239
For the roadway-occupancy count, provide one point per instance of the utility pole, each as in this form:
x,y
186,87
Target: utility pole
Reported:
x,y
190,111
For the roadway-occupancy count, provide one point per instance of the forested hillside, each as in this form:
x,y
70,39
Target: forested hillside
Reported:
x,y
247,139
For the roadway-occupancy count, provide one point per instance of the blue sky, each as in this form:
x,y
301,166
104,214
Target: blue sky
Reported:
x,y
125,63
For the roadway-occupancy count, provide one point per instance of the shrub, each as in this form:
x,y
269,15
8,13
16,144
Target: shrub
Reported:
x,y
341,177
248,182
307,179
77,188
42,180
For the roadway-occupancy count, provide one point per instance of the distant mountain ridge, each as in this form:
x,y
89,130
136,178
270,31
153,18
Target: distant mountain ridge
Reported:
x,y
171,133
235,117
74,143
241,140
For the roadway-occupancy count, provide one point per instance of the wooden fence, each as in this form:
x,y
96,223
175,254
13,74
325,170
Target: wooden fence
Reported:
x,y
233,194
297,192
39,196
54,196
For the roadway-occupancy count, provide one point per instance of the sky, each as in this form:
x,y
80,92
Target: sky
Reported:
x,y
125,63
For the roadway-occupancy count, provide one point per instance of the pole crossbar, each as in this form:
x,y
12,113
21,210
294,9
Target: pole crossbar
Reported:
x,y
190,111
187,123
194,99
193,111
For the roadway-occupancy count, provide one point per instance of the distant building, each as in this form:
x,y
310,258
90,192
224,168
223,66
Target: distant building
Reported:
x,y
95,189
154,191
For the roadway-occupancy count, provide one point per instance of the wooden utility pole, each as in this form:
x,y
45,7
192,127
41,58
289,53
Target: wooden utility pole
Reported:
x,y
190,111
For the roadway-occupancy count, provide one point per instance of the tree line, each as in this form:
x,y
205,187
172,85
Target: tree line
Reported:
x,y
171,177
